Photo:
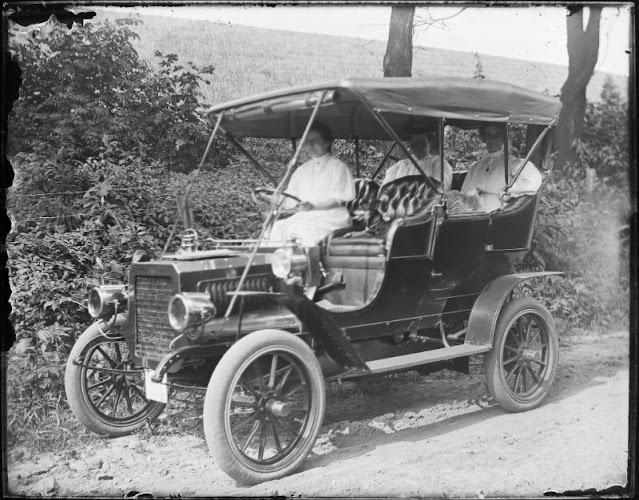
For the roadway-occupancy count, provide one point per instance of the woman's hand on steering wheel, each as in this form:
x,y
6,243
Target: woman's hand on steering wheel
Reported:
x,y
304,205
265,194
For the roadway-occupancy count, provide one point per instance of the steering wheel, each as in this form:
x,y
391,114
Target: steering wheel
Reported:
x,y
270,192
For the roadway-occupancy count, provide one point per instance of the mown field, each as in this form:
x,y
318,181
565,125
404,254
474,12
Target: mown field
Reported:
x,y
248,60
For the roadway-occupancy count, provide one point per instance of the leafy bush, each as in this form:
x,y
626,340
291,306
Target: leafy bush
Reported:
x,y
578,233
87,86
37,412
96,123
579,222
605,144
130,205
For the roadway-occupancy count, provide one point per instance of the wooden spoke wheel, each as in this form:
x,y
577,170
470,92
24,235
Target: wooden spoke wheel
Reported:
x,y
521,367
105,388
264,406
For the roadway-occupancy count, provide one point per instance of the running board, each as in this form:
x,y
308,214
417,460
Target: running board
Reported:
x,y
421,358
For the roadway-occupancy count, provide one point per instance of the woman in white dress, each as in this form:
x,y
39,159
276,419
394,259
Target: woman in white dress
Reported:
x,y
323,184
419,144
485,181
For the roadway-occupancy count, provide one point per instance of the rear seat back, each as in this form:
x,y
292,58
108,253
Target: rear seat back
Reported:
x,y
360,260
404,197
365,193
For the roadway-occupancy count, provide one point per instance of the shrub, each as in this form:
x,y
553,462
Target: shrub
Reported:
x,y
97,123
130,205
605,144
85,87
578,233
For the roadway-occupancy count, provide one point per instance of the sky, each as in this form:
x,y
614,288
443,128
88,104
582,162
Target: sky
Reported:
x,y
531,33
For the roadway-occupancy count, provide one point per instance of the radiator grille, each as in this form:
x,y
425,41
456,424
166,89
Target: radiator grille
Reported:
x,y
154,333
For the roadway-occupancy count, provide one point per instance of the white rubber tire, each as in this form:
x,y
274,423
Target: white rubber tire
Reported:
x,y
495,380
221,386
79,400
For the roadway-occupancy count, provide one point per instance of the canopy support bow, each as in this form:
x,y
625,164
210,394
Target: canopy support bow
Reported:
x,y
389,130
531,152
197,173
273,211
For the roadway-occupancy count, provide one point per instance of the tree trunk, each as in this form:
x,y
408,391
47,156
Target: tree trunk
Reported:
x,y
583,49
398,60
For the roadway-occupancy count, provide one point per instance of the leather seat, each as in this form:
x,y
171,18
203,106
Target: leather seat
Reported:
x,y
399,198
356,247
404,197
365,194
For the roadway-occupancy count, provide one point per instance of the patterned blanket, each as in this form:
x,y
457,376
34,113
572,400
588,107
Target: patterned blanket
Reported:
x,y
459,203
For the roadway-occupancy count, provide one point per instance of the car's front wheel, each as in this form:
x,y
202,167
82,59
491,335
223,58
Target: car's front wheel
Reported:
x,y
104,387
521,367
264,406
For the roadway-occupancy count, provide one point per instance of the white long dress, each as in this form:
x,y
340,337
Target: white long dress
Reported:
x,y
487,176
431,165
321,181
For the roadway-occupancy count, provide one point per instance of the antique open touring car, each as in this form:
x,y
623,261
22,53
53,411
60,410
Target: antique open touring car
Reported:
x,y
263,326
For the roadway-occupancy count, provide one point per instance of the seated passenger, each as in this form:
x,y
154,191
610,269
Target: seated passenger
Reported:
x,y
420,146
485,181
324,184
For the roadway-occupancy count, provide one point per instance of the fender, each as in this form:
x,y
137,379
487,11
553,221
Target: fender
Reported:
x,y
319,324
483,317
105,326
117,329
184,352
121,330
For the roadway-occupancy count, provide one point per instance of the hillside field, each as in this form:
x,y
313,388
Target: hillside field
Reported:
x,y
250,60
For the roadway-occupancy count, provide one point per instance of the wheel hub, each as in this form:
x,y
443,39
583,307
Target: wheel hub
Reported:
x,y
278,408
528,354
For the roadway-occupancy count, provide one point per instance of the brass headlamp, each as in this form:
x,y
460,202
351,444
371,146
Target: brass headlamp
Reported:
x,y
107,300
189,309
288,261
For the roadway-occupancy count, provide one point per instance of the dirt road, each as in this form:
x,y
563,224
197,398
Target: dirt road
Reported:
x,y
406,435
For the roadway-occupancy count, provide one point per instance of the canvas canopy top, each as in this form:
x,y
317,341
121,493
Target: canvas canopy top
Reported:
x,y
405,103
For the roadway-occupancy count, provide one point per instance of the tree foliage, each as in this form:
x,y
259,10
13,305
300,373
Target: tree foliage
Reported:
x,y
98,136
85,87
579,227
478,71
605,143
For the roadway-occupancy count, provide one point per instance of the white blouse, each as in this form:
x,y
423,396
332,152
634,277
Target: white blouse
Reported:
x,y
323,181
487,177
431,165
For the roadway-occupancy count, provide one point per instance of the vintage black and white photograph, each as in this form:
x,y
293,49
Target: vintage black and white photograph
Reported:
x,y
336,250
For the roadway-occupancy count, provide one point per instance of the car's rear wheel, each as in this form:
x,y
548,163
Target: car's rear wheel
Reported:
x,y
521,367
264,406
104,387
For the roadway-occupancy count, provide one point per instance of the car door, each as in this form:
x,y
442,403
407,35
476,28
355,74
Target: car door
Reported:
x,y
460,250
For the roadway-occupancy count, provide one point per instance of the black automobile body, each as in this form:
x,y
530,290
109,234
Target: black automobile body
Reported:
x,y
410,285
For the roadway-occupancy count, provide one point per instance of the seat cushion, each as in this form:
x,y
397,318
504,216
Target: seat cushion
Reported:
x,y
404,197
356,247
365,193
